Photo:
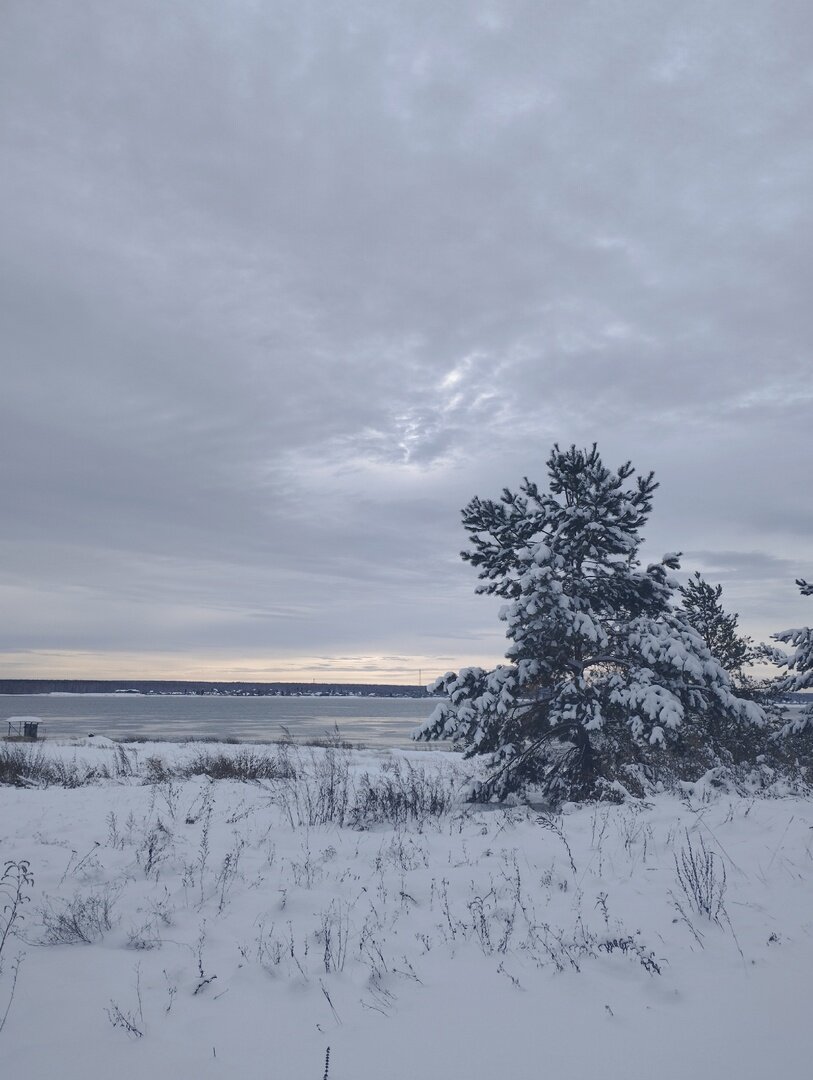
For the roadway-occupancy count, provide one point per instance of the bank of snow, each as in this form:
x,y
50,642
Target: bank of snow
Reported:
x,y
351,900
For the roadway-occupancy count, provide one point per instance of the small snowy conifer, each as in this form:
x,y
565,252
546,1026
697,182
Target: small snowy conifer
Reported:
x,y
601,661
800,666
704,610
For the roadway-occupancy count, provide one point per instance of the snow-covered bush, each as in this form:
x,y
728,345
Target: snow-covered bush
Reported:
x,y
80,919
605,670
318,790
246,765
28,766
402,793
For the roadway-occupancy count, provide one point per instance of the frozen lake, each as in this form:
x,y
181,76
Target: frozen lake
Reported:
x,y
372,721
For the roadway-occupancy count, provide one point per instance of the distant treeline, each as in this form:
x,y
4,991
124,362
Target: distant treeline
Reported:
x,y
239,689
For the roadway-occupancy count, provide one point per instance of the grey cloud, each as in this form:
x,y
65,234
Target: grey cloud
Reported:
x,y
747,565
283,286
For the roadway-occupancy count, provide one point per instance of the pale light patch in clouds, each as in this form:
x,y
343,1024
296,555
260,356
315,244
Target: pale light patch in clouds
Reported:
x,y
236,667
283,286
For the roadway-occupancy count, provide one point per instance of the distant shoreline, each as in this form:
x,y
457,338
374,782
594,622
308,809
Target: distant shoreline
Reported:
x,y
184,688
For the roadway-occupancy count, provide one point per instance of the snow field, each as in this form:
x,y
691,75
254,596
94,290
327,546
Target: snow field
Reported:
x,y
195,928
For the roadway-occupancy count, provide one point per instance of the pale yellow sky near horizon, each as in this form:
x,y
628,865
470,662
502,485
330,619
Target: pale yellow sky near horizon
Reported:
x,y
68,664
406,671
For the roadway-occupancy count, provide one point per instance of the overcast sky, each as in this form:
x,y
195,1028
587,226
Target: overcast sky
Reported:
x,y
284,284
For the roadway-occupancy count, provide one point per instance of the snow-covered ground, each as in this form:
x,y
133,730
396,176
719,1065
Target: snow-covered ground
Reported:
x,y
239,929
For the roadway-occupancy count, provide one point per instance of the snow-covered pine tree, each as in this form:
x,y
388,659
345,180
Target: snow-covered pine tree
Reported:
x,y
702,603
704,610
602,664
800,666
